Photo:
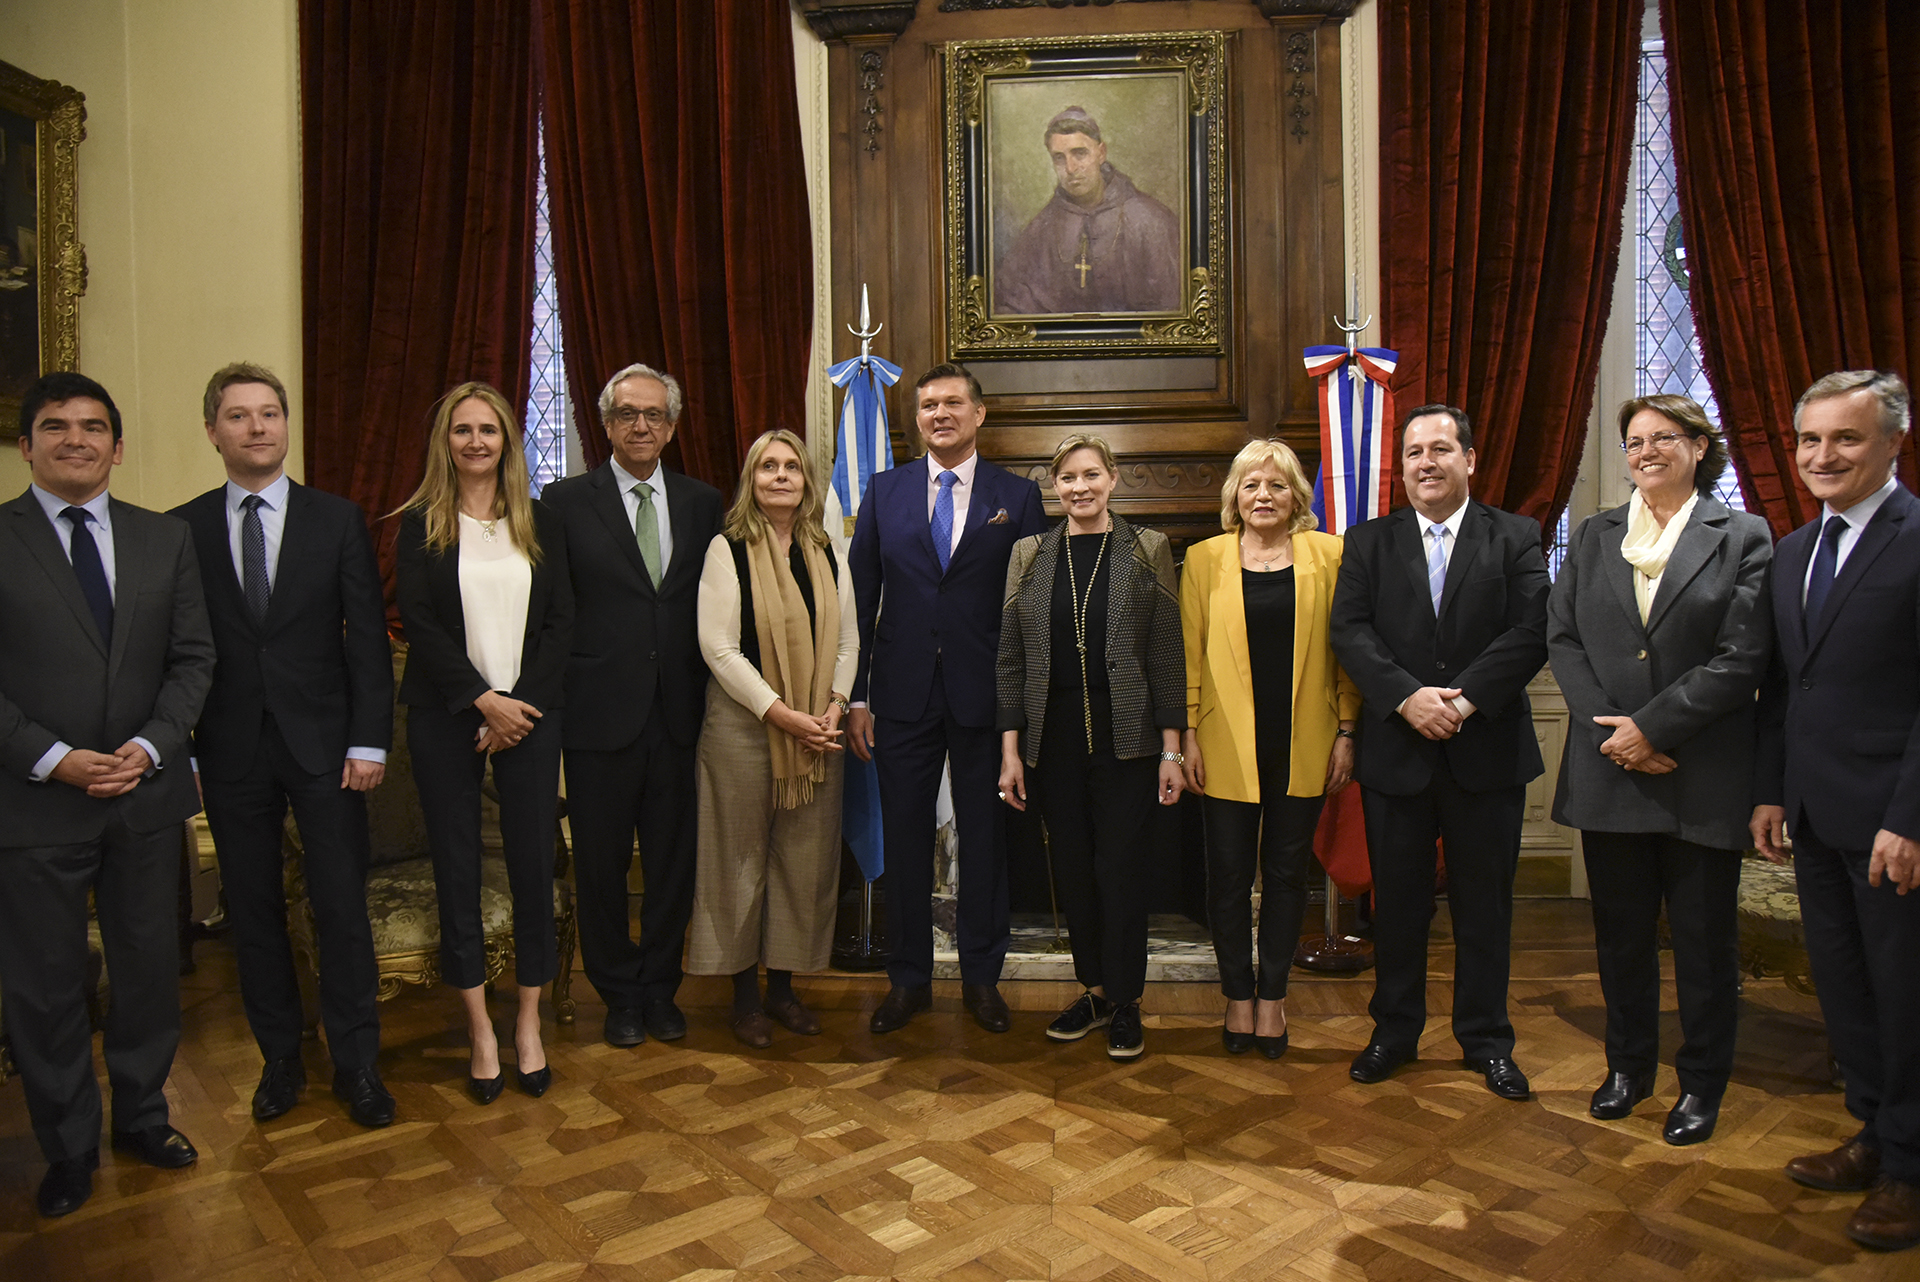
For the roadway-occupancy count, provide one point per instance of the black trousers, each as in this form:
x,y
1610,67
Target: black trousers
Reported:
x,y
1278,834
527,778
1482,835
1628,874
1864,943
907,757
43,968
246,815
644,789
1098,808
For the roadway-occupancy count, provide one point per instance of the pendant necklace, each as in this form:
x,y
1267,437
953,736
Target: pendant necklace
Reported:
x,y
1080,602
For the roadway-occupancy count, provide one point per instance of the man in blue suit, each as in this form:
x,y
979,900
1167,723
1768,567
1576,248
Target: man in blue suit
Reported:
x,y
1839,767
929,559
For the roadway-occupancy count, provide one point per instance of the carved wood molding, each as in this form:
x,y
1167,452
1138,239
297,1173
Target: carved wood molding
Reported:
x,y
849,19
1300,64
1336,9
969,6
869,78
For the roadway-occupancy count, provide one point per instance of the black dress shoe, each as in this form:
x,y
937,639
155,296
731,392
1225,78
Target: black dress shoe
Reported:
x,y
624,1026
536,1082
485,1090
68,1184
160,1146
1504,1077
1236,1043
365,1096
1376,1064
900,1006
663,1019
1691,1120
1618,1094
1272,1047
988,1008
281,1082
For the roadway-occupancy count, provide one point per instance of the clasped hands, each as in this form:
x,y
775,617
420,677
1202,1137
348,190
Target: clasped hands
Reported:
x,y
102,774
815,734
508,721
1436,712
1627,748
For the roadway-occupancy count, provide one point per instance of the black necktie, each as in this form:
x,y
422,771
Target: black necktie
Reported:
x,y
253,558
85,554
1826,561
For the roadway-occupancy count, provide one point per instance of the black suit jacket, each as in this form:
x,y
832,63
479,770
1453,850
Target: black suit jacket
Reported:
x,y
439,674
1840,710
1489,641
319,663
60,683
629,637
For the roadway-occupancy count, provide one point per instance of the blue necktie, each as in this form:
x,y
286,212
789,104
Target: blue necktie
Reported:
x,y
85,554
1826,562
1437,566
253,559
943,519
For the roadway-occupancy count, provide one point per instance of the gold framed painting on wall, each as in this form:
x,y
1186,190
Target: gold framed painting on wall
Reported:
x,y
43,267
1086,209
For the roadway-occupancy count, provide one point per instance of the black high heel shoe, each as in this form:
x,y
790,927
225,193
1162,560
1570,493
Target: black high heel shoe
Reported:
x,y
1273,1047
485,1090
536,1082
1236,1043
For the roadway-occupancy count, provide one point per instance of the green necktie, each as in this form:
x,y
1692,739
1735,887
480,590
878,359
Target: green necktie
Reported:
x,y
646,531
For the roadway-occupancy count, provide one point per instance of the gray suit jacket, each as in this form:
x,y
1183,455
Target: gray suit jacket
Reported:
x,y
1146,658
1687,678
59,683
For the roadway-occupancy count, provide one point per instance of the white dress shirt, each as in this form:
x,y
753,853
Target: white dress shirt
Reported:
x,y
1448,541
1856,518
962,494
658,484
101,527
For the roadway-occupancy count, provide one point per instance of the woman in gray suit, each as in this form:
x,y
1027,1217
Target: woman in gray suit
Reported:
x,y
1092,684
1658,632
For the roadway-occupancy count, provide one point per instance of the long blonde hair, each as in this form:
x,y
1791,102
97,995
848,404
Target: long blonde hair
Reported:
x,y
746,523
438,498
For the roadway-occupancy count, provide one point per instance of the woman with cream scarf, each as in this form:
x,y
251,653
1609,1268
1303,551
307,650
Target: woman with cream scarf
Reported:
x,y
1658,630
778,631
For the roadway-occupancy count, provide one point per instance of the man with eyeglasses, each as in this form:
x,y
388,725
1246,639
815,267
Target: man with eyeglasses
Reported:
x,y
637,537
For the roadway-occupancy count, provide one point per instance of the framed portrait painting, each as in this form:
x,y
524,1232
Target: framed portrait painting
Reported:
x,y
1086,195
43,269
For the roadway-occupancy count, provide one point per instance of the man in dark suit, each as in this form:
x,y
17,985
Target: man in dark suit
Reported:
x,y
1838,766
1440,618
301,714
636,688
929,560
108,659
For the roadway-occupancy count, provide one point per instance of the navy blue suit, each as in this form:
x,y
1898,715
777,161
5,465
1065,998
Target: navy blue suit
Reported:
x,y
928,645
1840,752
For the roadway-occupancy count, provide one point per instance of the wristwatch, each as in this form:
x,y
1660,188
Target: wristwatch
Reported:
x,y
841,701
1177,758
1343,734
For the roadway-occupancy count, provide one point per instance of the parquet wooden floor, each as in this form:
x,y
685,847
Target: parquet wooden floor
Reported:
x,y
946,1152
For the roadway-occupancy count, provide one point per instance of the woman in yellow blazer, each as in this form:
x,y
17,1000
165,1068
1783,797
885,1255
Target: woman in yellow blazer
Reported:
x,y
1272,719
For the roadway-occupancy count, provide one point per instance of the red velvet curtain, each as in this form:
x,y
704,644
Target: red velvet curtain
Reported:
x,y
1797,131
1507,136
680,226
418,136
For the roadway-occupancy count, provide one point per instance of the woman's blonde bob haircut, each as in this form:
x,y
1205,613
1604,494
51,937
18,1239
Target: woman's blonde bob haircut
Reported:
x,y
1084,441
746,523
1275,455
438,498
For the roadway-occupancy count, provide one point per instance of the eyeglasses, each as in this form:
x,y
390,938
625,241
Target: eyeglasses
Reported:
x,y
627,416
1662,441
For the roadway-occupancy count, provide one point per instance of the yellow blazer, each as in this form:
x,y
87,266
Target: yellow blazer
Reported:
x,y
1213,620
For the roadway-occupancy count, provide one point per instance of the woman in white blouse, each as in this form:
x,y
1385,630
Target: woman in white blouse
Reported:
x,y
778,631
488,611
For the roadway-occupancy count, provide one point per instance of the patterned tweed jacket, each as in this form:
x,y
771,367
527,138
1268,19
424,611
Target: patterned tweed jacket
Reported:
x,y
1146,667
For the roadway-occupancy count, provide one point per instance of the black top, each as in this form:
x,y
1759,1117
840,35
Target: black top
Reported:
x,y
1269,598
1066,700
797,564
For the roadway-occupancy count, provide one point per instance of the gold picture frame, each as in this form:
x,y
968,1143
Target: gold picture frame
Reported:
x,y
43,266
1123,252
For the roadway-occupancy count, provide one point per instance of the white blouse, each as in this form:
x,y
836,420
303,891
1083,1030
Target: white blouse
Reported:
x,y
496,581
720,632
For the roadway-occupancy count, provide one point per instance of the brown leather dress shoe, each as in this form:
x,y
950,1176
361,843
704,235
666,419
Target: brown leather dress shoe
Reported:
x,y
1889,1220
988,1008
794,1017
753,1029
1851,1168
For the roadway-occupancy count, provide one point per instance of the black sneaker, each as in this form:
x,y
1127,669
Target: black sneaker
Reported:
x,y
1088,1012
1124,1039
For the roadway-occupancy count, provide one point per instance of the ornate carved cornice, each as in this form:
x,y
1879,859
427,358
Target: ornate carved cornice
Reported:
x,y
848,19
1271,9
968,6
